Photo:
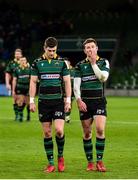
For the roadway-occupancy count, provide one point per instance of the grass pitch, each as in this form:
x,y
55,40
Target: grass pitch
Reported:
x,y
22,154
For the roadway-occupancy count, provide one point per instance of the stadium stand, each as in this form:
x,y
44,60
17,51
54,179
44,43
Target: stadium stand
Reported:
x,y
115,25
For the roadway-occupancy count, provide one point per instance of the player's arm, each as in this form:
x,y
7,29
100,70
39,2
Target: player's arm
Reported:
x,y
101,75
8,78
77,84
67,82
32,92
14,83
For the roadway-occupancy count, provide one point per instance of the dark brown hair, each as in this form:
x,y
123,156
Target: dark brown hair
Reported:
x,y
50,42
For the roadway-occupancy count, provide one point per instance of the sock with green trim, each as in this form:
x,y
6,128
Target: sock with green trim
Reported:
x,y
15,108
100,144
60,145
48,145
20,113
88,149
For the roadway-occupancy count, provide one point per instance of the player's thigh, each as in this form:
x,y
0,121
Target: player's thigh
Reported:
x,y
59,125
100,122
26,100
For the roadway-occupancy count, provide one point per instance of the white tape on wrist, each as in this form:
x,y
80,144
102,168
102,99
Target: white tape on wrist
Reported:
x,y
31,100
68,99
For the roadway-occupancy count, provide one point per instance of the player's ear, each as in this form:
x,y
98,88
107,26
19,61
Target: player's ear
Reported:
x,y
97,48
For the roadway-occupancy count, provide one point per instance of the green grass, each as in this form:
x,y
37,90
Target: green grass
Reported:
x,y
22,154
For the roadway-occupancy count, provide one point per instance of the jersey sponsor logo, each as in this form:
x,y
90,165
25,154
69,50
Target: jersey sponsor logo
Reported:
x,y
50,76
87,78
24,76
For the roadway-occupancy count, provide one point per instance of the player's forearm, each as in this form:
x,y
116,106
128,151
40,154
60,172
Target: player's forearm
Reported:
x,y
7,78
32,90
14,82
101,75
68,89
76,88
32,93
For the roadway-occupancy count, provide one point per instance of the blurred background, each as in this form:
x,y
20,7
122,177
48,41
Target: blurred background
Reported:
x,y
114,24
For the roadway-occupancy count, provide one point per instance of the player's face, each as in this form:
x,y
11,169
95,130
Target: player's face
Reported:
x,y
90,47
50,52
23,61
18,55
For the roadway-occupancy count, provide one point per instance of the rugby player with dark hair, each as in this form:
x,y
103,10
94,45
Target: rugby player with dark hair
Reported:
x,y
90,76
51,71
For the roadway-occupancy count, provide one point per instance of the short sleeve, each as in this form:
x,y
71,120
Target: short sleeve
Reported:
x,y
77,71
34,69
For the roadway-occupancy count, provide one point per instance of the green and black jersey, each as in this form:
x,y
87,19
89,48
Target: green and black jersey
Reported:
x,y
23,77
12,65
50,74
91,87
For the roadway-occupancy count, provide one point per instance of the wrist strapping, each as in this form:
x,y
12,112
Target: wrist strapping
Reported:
x,y
31,100
68,99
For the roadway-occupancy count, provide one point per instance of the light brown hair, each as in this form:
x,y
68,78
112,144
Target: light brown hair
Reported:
x,y
89,40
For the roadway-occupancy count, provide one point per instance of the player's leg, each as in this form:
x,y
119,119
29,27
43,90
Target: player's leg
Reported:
x,y
15,107
100,122
87,142
28,108
46,121
20,103
59,120
60,140
48,146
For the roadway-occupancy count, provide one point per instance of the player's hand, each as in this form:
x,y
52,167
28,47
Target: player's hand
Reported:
x,y
32,107
67,107
81,105
8,86
92,57
14,95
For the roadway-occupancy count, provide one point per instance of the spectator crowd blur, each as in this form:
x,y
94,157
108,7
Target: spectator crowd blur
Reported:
x,y
19,29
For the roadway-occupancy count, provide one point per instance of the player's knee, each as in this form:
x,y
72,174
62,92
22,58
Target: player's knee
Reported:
x,y
20,103
87,134
59,132
100,132
47,134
